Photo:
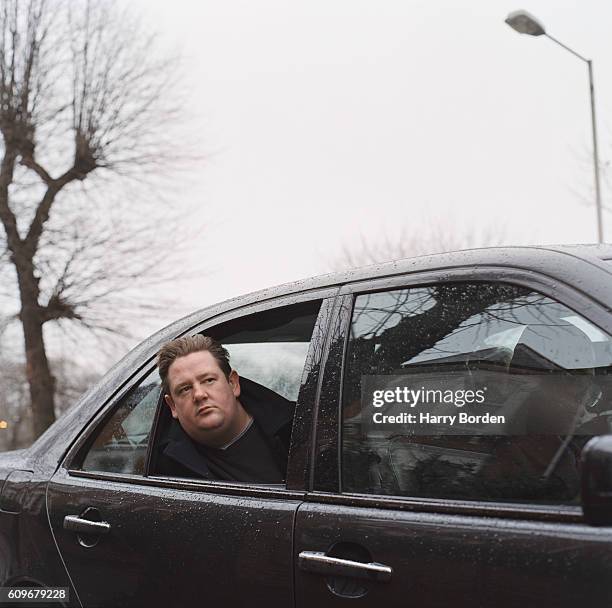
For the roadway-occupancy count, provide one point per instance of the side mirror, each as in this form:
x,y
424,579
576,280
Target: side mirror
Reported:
x,y
597,481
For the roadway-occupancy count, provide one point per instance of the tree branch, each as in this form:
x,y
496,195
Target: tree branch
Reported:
x,y
7,217
42,211
30,163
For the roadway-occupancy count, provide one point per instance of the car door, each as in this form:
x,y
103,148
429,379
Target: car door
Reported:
x,y
130,537
401,512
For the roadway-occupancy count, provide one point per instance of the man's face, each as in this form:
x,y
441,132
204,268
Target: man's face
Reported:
x,y
203,400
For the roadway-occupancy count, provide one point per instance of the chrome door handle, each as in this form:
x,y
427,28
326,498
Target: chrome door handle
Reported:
x,y
74,523
319,563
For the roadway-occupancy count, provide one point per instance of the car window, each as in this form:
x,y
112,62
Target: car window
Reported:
x,y
121,443
268,351
476,391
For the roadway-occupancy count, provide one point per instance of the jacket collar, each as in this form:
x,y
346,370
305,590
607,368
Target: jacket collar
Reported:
x,y
271,411
182,449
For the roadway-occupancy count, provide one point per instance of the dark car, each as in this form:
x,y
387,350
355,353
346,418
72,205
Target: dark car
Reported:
x,y
390,513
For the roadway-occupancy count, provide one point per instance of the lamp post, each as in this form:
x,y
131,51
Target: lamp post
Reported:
x,y
524,23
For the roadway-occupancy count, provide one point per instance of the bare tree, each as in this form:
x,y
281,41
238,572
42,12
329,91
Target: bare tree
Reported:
x,y
83,99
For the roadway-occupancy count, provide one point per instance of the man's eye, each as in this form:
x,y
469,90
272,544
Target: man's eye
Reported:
x,y
209,380
183,389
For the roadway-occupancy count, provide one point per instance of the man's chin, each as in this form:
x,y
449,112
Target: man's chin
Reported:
x,y
210,421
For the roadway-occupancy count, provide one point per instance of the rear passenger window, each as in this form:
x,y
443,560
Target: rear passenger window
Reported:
x,y
121,444
424,365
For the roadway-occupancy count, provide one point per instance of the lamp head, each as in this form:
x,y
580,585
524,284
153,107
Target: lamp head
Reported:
x,y
524,23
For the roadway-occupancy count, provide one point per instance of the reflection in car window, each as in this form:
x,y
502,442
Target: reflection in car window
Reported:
x,y
276,365
270,347
546,370
121,444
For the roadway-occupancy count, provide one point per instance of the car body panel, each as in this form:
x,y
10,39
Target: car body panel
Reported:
x,y
172,545
28,554
446,559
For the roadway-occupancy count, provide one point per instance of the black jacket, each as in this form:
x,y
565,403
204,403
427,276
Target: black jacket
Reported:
x,y
179,457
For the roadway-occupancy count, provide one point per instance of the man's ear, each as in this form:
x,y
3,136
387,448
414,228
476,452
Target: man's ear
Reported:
x,y
170,404
234,381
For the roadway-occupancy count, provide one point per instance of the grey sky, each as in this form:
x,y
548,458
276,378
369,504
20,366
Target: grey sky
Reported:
x,y
324,120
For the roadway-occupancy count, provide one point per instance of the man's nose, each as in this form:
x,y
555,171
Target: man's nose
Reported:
x,y
199,392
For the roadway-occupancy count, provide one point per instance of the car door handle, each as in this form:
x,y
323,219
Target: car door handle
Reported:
x,y
319,563
74,523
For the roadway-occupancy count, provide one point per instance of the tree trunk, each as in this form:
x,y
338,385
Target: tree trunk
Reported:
x,y
40,380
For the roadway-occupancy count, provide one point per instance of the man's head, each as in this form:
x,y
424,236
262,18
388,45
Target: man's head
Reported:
x,y
201,389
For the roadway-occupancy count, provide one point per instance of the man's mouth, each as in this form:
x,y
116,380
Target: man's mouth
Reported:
x,y
204,409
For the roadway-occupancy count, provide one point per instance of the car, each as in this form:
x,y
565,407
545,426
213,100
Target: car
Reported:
x,y
512,506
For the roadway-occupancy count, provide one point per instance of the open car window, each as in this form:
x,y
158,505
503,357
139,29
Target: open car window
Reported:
x,y
268,351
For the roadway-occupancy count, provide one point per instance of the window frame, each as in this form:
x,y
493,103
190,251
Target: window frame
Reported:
x,y
298,465
327,487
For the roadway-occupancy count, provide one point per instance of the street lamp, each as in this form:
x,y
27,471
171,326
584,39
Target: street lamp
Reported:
x,y
524,23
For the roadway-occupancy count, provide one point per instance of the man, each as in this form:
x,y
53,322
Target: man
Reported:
x,y
223,427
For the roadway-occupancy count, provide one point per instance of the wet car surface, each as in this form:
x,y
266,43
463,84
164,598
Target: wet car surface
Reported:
x,y
383,514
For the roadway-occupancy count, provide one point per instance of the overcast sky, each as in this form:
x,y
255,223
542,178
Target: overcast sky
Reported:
x,y
324,120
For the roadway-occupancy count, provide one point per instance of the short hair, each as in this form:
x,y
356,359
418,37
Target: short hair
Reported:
x,y
181,347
